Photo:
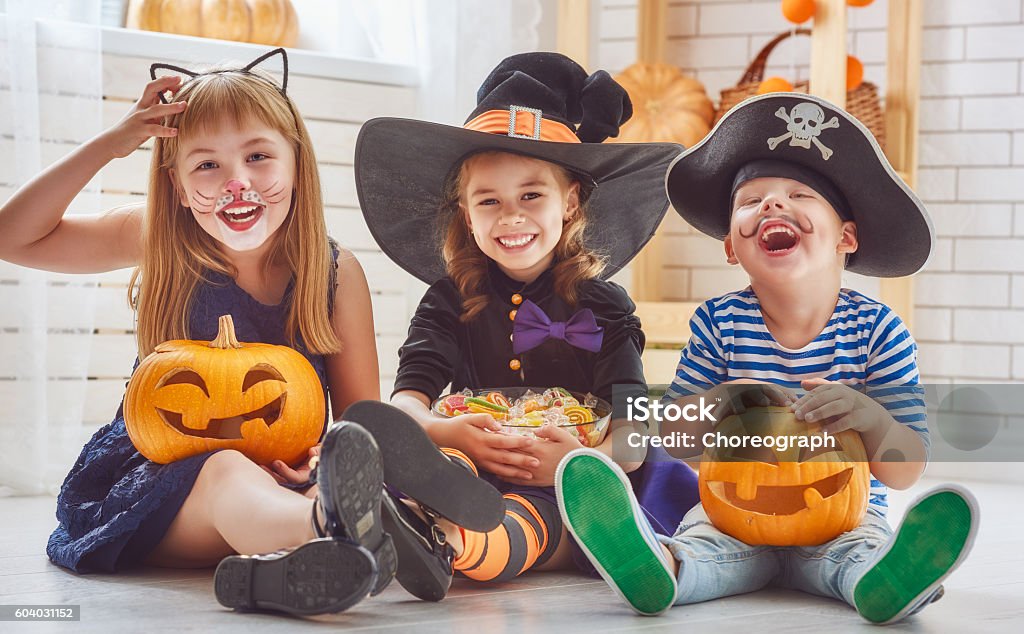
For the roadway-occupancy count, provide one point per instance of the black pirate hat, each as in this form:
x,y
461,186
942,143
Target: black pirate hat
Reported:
x,y
813,136
541,105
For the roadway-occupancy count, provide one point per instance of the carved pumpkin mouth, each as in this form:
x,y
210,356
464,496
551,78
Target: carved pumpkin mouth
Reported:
x,y
782,500
226,428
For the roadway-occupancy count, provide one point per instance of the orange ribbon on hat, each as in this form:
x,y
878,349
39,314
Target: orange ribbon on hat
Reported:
x,y
513,123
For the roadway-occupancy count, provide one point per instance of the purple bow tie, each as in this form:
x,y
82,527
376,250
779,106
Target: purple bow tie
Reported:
x,y
532,327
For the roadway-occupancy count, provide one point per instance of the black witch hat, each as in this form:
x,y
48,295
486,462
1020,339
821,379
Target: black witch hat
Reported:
x,y
541,105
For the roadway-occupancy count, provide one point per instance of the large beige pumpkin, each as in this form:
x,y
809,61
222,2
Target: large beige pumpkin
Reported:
x,y
667,106
191,397
799,497
271,22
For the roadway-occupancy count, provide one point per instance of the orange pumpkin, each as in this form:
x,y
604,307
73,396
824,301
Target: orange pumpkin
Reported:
x,y
798,11
774,84
797,497
271,22
667,106
191,397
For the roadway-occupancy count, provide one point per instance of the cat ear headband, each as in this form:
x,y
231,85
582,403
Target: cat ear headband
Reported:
x,y
245,70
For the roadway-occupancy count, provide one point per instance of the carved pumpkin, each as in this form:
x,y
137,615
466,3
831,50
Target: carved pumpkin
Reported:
x,y
271,22
800,497
191,397
667,106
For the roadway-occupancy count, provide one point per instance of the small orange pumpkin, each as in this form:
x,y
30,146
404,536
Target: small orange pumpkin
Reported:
x,y
774,84
667,106
798,11
799,497
271,22
191,397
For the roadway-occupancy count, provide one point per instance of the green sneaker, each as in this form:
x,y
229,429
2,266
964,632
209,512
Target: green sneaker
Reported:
x,y
935,536
599,509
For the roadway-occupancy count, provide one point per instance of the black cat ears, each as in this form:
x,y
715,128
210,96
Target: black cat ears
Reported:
x,y
188,75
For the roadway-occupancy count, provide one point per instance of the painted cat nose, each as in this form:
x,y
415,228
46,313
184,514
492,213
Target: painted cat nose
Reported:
x,y
235,187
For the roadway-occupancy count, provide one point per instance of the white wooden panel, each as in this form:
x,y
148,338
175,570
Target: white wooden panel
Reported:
x,y
112,355
387,355
315,97
384,275
389,314
339,185
102,397
334,142
346,225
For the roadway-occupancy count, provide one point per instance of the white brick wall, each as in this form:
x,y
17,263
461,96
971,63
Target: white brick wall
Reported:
x,y
970,300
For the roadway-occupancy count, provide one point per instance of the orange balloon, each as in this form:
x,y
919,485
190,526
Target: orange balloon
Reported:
x,y
859,3
798,11
774,84
854,72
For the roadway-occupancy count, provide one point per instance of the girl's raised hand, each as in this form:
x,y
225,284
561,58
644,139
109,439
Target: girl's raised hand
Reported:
x,y
145,119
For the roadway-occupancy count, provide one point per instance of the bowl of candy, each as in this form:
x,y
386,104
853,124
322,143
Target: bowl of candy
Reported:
x,y
521,410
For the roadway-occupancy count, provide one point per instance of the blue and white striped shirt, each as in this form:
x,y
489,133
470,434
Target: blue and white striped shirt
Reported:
x,y
864,344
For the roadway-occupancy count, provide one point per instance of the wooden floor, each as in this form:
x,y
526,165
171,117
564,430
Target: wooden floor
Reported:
x,y
985,594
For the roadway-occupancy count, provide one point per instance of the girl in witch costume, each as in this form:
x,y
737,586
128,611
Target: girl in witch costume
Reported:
x,y
516,220
233,225
799,191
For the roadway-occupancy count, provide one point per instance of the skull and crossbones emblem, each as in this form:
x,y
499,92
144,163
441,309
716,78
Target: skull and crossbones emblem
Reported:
x,y
804,125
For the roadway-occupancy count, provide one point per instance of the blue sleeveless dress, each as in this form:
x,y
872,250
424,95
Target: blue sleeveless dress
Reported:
x,y
115,505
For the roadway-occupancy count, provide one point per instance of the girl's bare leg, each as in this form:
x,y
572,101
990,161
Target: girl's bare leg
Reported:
x,y
234,507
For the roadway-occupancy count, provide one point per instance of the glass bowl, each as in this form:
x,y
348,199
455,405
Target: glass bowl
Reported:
x,y
590,433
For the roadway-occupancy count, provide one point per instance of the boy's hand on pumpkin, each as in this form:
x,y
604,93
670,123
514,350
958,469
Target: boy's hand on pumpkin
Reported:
x,y
837,407
145,119
738,395
481,438
555,443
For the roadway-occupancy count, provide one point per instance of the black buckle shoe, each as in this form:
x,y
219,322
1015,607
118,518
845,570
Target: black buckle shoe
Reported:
x,y
318,577
415,466
424,556
350,476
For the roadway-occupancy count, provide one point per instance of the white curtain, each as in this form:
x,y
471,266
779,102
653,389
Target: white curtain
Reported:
x,y
50,101
453,43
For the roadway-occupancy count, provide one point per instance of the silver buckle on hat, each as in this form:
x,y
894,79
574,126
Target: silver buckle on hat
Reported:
x,y
513,112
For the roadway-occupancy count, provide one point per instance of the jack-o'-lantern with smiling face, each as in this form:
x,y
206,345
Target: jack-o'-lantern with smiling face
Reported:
x,y
798,497
192,397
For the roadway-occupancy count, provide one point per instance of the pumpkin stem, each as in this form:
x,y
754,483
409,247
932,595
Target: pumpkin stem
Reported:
x,y
225,334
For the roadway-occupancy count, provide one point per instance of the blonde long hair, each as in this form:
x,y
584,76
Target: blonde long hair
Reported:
x,y
177,251
574,263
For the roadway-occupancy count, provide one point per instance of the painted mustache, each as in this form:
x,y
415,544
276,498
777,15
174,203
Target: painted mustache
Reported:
x,y
201,203
787,219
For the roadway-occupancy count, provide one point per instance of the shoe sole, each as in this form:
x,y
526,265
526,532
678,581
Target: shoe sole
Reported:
x,y
415,466
418,568
321,576
350,476
932,540
598,507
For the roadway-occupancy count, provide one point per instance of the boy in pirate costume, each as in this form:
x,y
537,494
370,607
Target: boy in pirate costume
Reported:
x,y
798,190
516,220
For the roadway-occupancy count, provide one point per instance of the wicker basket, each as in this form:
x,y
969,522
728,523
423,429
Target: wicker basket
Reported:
x,y
862,102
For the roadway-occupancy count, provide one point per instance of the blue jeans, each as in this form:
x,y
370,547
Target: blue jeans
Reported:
x,y
713,564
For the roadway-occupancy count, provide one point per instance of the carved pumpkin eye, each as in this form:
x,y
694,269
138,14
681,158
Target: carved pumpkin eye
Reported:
x,y
185,376
259,373
755,454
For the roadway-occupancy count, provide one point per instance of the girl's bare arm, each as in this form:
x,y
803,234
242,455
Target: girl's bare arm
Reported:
x,y
33,229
